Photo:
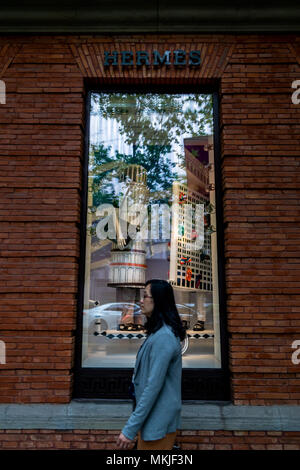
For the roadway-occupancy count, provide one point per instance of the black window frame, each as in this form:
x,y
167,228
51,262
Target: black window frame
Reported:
x,y
197,383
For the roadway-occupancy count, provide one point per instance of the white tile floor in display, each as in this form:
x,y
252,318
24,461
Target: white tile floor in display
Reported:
x,y
104,352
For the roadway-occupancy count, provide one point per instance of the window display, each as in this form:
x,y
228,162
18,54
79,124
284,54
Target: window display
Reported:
x,y
150,214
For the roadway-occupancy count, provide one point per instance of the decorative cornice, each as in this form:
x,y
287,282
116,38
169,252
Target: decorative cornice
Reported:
x,y
161,16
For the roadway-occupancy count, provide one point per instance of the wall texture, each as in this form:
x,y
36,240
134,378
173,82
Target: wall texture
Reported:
x,y
45,439
41,151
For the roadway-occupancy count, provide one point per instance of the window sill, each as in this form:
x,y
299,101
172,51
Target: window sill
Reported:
x,y
113,414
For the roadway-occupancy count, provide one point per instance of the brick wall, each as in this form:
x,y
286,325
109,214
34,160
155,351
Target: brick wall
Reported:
x,y
41,150
41,439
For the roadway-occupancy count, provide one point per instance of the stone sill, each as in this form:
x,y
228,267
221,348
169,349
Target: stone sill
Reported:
x,y
113,414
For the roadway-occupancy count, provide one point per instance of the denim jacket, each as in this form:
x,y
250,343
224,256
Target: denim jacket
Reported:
x,y
157,387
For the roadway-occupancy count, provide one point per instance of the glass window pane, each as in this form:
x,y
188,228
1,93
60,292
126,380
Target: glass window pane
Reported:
x,y
151,214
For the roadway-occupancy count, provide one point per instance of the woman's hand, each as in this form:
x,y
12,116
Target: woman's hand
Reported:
x,y
123,442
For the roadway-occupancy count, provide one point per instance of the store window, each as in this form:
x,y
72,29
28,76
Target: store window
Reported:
x,y
151,213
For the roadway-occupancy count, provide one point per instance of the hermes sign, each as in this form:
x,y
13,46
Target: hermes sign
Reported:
x,y
139,58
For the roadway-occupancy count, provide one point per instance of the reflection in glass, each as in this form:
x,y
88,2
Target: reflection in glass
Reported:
x,y
151,214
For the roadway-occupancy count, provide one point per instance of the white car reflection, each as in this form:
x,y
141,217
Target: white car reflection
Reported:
x,y
188,315
113,316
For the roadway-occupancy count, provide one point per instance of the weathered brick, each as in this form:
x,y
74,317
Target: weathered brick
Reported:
x,y
41,151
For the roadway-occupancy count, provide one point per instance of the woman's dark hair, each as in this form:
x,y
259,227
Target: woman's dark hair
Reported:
x,y
164,310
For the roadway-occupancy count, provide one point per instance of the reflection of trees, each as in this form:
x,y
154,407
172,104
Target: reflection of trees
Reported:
x,y
105,168
152,124
156,119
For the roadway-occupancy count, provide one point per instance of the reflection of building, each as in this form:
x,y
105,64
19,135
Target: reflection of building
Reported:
x,y
191,265
196,162
191,269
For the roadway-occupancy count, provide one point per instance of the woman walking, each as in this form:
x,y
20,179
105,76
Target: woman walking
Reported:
x,y
157,373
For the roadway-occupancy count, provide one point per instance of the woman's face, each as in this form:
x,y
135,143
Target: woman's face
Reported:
x,y
147,303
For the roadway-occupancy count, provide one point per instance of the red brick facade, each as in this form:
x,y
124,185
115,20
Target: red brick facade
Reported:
x,y
48,439
41,151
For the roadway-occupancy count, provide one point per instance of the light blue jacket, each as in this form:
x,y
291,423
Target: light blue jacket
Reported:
x,y
157,383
